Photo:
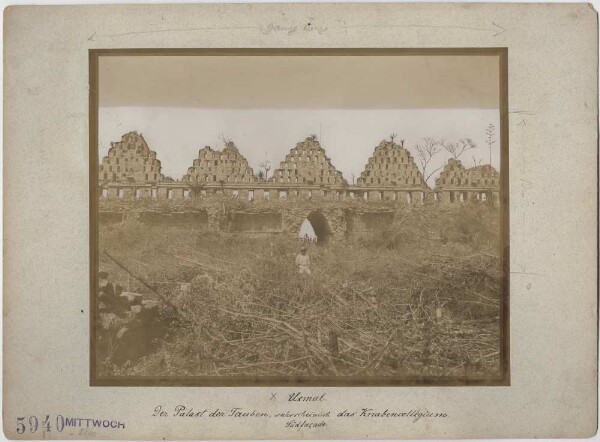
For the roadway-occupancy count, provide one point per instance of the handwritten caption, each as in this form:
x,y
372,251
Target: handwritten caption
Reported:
x,y
306,418
274,28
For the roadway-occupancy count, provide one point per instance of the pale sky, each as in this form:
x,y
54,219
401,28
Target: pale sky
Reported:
x,y
267,103
348,136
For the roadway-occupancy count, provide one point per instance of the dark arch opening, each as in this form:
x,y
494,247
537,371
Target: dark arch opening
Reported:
x,y
320,226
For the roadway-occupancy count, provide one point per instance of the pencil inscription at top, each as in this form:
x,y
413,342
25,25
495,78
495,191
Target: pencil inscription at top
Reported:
x,y
308,27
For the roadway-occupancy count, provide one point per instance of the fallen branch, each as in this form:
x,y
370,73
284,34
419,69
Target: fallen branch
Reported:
x,y
141,279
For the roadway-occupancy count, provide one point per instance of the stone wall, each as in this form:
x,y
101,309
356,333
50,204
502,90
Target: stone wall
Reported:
x,y
130,160
195,218
459,184
359,221
307,164
484,176
225,166
455,176
328,222
255,222
106,217
391,165
331,220
131,171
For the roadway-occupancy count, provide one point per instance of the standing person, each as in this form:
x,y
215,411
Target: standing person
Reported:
x,y
303,261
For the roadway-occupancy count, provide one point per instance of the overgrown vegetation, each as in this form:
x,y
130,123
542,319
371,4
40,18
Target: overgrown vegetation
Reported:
x,y
421,298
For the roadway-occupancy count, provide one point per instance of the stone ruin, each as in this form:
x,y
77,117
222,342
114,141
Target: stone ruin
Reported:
x,y
335,208
308,164
457,183
220,167
130,160
391,165
131,170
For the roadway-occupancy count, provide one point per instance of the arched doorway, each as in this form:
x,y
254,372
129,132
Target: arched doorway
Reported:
x,y
315,227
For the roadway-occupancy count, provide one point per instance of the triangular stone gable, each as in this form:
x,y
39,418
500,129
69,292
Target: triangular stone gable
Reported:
x,y
307,164
391,165
130,160
455,175
220,166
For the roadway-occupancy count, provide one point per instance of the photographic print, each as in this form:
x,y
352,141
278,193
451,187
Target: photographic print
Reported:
x,y
299,217
300,221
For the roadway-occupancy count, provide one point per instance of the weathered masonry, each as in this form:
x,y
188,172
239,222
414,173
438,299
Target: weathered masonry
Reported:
x,y
132,171
219,167
130,160
391,174
307,164
393,166
458,184
330,220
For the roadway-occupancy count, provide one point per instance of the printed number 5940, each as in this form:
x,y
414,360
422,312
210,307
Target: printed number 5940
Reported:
x,y
34,424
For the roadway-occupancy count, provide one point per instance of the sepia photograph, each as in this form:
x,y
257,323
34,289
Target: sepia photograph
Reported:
x,y
299,217
300,221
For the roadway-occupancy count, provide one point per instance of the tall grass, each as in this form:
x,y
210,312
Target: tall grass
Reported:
x,y
421,298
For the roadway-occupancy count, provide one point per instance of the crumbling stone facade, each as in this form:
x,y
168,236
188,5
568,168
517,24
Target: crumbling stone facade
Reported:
x,y
307,164
131,171
454,174
457,183
332,221
391,165
220,167
484,176
367,220
130,160
327,222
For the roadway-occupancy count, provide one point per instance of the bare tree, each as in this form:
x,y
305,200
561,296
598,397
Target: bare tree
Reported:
x,y
393,137
425,152
226,140
265,166
490,134
476,162
460,147
313,137
352,175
